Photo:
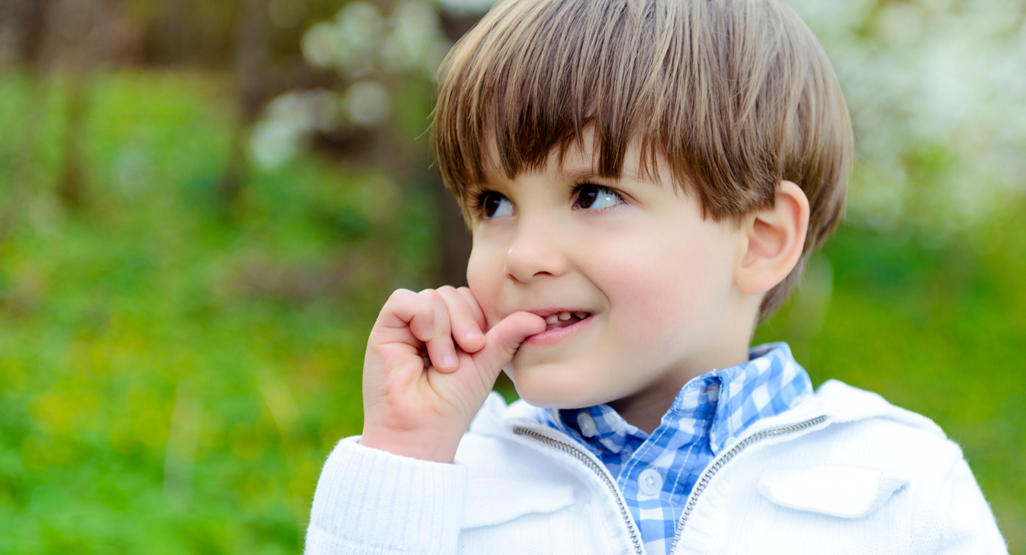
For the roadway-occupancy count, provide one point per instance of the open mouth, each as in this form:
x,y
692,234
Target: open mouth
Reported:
x,y
564,319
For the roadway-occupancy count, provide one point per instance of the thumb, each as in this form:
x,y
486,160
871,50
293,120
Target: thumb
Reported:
x,y
503,340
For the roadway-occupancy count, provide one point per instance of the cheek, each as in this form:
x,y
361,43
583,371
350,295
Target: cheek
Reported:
x,y
483,279
665,289
644,316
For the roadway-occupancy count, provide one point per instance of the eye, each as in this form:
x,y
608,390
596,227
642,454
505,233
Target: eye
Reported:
x,y
589,196
493,205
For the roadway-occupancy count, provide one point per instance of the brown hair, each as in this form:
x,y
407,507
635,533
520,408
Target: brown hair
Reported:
x,y
736,95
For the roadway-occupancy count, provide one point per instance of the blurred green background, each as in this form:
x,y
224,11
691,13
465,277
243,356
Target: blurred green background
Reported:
x,y
203,205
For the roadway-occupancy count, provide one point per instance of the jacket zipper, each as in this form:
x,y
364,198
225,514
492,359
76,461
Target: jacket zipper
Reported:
x,y
723,459
599,470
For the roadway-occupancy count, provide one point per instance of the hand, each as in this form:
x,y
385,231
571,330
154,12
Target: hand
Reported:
x,y
429,367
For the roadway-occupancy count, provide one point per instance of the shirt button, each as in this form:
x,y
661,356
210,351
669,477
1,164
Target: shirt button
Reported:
x,y
587,424
650,482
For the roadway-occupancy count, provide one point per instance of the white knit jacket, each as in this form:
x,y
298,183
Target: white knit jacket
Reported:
x,y
843,472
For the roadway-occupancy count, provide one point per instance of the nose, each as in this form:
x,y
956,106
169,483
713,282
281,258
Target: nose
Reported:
x,y
535,252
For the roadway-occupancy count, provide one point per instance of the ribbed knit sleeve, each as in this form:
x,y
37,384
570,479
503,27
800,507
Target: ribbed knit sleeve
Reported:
x,y
374,502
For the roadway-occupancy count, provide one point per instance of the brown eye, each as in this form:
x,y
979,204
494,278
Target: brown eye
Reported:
x,y
587,195
595,197
494,205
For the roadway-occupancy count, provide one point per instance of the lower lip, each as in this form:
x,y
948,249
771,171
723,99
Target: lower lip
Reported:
x,y
553,336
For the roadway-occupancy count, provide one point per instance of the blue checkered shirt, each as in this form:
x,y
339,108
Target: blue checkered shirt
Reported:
x,y
657,472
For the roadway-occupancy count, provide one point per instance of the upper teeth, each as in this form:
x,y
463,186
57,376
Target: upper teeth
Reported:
x,y
564,316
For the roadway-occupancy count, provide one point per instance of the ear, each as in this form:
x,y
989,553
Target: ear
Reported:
x,y
774,239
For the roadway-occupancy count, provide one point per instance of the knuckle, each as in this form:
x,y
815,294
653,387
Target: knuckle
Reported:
x,y
400,295
439,301
468,296
430,295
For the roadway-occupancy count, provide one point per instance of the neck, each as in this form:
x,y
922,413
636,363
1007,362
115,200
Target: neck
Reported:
x,y
645,409
646,414
728,346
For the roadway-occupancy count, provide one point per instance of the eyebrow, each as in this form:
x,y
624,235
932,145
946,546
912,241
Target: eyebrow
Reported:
x,y
578,172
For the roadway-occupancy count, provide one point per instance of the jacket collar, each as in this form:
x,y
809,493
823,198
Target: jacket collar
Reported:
x,y
836,401
715,406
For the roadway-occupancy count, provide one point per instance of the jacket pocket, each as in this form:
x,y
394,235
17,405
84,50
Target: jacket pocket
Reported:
x,y
839,491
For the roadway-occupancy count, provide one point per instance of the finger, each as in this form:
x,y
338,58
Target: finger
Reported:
x,y
405,310
465,329
423,324
504,339
440,348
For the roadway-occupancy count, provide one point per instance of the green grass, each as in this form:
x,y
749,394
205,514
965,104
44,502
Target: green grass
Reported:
x,y
172,379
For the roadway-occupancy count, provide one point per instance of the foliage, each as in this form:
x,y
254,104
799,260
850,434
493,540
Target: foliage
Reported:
x,y
935,88
377,56
170,380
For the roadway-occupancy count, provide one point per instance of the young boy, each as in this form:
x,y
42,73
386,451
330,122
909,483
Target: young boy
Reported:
x,y
644,180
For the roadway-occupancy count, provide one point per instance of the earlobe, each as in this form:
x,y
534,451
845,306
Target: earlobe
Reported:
x,y
774,240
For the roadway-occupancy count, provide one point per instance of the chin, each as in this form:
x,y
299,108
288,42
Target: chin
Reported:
x,y
552,394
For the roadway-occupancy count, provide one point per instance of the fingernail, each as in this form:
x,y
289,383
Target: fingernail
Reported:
x,y
472,335
449,361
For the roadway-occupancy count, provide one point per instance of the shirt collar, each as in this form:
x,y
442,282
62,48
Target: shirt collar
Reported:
x,y
770,383
720,404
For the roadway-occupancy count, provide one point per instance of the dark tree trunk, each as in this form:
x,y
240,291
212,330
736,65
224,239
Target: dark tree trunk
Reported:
x,y
19,30
72,188
252,45
35,29
170,32
73,31
30,18
456,240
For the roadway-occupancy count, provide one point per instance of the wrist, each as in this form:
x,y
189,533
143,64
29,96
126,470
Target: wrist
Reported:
x,y
413,444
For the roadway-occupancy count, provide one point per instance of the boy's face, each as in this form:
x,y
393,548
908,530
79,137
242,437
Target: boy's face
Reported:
x,y
647,283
